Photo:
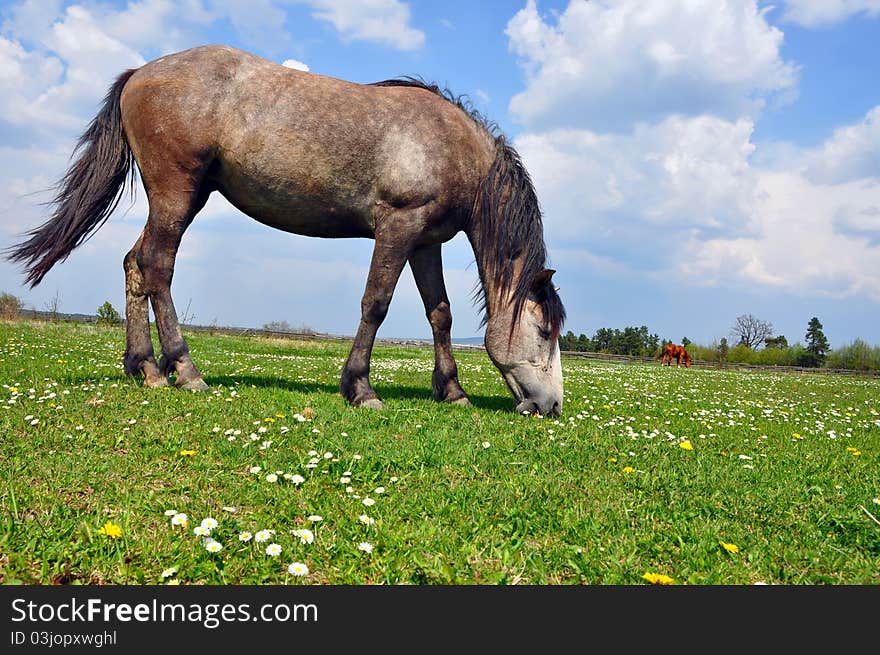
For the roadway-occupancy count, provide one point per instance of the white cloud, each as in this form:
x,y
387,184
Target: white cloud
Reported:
x,y
604,65
853,152
821,13
295,64
682,174
380,21
684,200
801,248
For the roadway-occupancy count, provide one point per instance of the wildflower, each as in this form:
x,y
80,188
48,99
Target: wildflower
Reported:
x,y
486,444
305,535
366,520
273,550
314,518
202,531
209,523
170,512
272,478
263,535
796,435
255,469
187,453
111,530
730,548
685,445
298,569
369,502
229,508
628,469
379,490
297,479
365,546
328,455
244,535
213,546
173,582
179,519
658,578
344,479
167,573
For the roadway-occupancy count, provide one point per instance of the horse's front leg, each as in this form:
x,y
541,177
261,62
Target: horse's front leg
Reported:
x,y
389,258
427,267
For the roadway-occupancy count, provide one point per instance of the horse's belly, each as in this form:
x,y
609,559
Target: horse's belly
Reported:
x,y
326,217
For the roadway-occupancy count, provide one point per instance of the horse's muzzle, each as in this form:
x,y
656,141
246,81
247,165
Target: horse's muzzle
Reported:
x,y
547,408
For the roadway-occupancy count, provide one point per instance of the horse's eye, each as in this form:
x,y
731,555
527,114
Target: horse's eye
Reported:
x,y
544,333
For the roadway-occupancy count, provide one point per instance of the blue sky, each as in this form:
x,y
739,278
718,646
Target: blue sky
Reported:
x,y
695,160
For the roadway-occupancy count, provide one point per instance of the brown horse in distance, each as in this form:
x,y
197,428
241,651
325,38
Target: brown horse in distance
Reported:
x,y
677,352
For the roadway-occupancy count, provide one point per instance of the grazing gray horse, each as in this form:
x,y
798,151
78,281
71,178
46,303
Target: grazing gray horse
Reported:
x,y
399,161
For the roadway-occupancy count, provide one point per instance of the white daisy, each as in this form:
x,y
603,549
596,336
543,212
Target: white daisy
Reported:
x,y
298,569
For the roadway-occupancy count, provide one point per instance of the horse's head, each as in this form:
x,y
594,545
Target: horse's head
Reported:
x,y
524,346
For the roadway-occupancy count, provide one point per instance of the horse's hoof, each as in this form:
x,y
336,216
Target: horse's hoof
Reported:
x,y
155,383
194,385
372,403
463,402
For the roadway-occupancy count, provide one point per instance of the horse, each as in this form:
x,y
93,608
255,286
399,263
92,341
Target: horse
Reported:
x,y
674,351
399,161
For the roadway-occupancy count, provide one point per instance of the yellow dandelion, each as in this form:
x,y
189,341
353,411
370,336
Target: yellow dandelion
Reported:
x,y
628,469
686,445
730,548
658,578
268,419
796,435
110,529
855,451
612,459
187,453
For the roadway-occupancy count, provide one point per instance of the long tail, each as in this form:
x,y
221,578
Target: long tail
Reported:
x,y
86,195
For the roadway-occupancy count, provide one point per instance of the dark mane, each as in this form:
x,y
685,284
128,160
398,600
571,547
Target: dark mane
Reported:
x,y
510,220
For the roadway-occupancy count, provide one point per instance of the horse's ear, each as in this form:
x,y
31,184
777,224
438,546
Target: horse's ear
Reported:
x,y
542,279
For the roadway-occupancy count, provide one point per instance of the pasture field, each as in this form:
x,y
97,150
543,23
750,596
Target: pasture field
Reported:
x,y
651,475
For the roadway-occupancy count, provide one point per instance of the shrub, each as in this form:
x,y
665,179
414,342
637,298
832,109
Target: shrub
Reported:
x,y
10,306
107,315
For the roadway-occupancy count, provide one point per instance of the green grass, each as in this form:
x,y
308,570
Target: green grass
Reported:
x,y
783,466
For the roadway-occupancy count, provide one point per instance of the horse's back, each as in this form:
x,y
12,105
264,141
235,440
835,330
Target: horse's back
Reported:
x,y
300,151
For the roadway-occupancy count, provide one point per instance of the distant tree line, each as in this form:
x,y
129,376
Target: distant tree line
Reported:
x,y
635,341
752,342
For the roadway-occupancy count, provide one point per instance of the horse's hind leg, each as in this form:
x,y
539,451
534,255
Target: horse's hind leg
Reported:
x,y
170,214
139,357
427,267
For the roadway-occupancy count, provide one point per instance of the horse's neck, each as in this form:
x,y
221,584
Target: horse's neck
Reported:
x,y
496,298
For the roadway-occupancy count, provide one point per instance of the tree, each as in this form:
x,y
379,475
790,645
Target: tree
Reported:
x,y
776,342
723,350
750,331
10,306
278,326
107,315
817,344
685,342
